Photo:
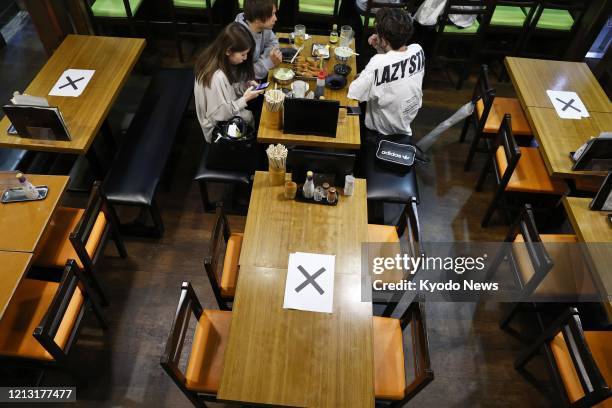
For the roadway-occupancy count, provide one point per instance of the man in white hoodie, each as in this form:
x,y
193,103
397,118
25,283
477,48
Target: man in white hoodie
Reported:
x,y
259,17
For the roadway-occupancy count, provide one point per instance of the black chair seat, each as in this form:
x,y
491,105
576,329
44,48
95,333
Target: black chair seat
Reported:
x,y
205,174
11,159
139,165
388,186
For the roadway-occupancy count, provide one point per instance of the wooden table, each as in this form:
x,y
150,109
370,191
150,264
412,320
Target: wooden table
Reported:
x,y
14,267
23,224
347,135
558,137
289,357
111,58
276,227
533,77
593,228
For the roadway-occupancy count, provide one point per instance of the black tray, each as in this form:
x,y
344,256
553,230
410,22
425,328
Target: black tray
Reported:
x,y
299,196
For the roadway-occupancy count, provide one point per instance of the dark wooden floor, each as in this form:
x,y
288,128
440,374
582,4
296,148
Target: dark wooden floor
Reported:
x,y
472,358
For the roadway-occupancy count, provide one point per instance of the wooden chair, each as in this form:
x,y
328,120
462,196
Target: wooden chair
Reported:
x,y
113,12
520,172
368,18
508,24
488,115
190,13
545,266
200,381
81,234
41,323
555,21
323,13
390,385
221,263
578,361
469,38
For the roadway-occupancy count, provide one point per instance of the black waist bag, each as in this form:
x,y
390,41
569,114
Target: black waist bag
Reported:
x,y
397,157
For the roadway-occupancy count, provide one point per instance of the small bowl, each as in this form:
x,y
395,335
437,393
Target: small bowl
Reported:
x,y
335,82
283,76
343,53
342,69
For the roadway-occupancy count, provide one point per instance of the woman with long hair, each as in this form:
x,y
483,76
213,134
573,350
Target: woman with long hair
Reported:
x,y
224,79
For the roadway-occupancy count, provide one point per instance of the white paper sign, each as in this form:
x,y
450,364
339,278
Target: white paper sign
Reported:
x,y
568,104
72,82
310,282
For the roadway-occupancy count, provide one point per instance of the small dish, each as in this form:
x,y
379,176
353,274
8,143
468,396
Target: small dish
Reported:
x,y
335,81
342,69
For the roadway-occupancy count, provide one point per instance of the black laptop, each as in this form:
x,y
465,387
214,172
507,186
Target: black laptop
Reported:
x,y
310,117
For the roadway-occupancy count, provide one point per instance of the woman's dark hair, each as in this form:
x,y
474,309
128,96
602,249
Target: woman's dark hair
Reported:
x,y
394,25
236,38
258,9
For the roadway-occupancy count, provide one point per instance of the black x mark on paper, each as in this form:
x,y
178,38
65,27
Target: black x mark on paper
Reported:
x,y
568,105
310,280
71,82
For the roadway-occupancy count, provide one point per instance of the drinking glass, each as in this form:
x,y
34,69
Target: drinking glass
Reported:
x,y
299,35
346,34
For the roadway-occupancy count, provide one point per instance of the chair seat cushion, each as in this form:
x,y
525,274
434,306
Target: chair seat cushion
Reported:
x,y
501,106
569,275
24,313
55,248
382,233
114,8
205,365
453,29
510,16
555,19
220,176
194,4
229,277
325,7
600,344
530,174
389,373
371,21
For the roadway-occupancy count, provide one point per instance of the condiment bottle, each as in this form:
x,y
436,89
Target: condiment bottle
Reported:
x,y
29,190
308,188
333,36
320,91
332,196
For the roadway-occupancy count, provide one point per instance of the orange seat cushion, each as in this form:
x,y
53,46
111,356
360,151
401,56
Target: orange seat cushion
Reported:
x,y
389,373
501,106
600,344
56,247
382,233
530,174
205,364
24,313
229,277
570,273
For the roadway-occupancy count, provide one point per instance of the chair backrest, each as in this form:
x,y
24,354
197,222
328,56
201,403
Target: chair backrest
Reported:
x,y
48,327
83,231
486,93
592,381
511,151
170,359
539,258
575,7
423,373
408,5
216,250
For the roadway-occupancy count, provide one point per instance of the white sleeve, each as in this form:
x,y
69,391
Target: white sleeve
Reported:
x,y
221,105
361,86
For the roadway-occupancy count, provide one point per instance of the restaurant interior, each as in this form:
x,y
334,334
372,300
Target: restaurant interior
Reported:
x,y
154,253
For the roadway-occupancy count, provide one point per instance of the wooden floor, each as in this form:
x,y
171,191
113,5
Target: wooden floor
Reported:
x,y
472,358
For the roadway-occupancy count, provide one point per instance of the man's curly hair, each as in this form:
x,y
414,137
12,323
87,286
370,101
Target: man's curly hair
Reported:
x,y
394,25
